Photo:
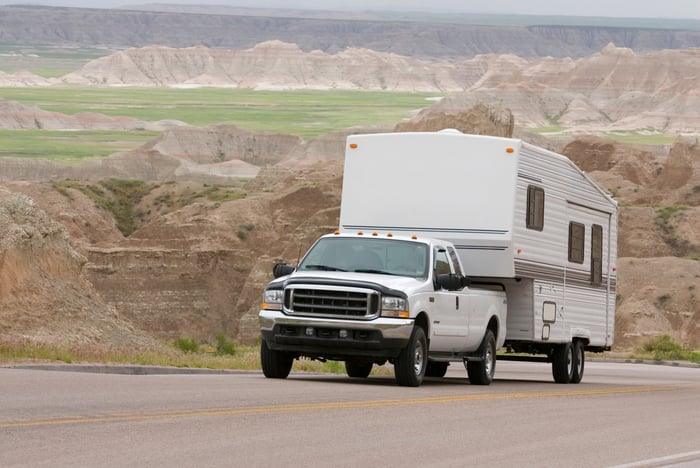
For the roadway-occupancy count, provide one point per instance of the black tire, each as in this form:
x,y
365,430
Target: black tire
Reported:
x,y
579,362
275,364
358,369
563,363
409,368
482,372
436,369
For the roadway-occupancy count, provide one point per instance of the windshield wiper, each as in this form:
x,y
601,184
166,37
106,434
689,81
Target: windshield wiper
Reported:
x,y
322,268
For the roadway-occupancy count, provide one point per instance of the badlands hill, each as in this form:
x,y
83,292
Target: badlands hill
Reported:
x,y
612,89
177,238
537,37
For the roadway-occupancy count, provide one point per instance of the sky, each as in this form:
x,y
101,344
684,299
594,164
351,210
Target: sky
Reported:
x,y
684,9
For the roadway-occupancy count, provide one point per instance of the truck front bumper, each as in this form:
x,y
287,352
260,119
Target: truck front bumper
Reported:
x,y
381,338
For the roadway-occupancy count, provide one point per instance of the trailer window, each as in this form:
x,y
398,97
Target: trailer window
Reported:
x,y
535,208
577,240
596,254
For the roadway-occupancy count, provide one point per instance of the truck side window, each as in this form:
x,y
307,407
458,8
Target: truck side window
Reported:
x,y
596,254
442,264
577,240
535,208
455,260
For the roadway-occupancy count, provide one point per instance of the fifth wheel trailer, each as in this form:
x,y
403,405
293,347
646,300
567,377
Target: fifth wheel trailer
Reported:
x,y
520,218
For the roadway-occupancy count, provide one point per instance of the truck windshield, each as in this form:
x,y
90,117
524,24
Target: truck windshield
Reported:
x,y
368,255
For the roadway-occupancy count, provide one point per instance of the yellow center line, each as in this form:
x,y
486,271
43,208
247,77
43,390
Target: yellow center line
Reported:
x,y
148,415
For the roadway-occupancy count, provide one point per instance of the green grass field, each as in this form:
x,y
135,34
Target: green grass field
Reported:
x,y
304,113
69,146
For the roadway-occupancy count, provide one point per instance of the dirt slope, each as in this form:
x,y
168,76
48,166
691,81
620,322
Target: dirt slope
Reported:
x,y
44,296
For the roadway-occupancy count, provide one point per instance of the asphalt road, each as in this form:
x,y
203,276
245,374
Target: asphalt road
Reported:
x,y
621,414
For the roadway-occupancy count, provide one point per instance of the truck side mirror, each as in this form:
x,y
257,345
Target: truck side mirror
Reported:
x,y
452,282
282,269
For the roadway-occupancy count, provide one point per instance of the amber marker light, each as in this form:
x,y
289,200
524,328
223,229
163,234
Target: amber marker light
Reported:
x,y
520,251
353,145
389,234
509,150
360,233
375,233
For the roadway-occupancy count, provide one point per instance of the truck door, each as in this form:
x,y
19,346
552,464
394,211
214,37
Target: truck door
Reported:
x,y
450,317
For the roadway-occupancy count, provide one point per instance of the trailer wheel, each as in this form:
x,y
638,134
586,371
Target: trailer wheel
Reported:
x,y
410,366
275,364
579,362
563,363
481,372
436,369
358,369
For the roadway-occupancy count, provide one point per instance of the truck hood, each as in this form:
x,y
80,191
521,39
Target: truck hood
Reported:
x,y
406,284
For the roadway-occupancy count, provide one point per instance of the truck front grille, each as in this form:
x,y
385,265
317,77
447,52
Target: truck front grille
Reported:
x,y
336,302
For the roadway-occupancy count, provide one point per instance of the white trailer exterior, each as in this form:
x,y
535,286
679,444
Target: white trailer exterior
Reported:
x,y
516,213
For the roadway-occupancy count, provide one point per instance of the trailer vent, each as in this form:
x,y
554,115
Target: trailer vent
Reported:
x,y
319,301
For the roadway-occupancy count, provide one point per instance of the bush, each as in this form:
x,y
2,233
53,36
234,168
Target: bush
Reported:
x,y
664,348
187,345
224,345
694,356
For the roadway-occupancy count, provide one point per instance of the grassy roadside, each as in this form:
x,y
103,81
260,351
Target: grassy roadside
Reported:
x,y
227,355
206,356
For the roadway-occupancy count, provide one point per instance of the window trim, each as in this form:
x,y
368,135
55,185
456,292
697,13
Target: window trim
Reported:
x,y
577,251
534,213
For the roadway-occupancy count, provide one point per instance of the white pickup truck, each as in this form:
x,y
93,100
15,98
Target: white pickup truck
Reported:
x,y
367,299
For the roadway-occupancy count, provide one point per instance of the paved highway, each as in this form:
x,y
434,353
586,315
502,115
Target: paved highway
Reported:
x,y
632,415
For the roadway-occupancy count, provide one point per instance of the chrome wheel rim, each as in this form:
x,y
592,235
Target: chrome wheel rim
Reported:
x,y
489,360
418,358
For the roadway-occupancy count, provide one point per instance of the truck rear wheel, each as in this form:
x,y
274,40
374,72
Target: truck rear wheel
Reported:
x,y
275,364
358,369
563,363
410,366
481,372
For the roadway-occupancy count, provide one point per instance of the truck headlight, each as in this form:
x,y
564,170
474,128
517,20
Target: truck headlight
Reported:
x,y
272,299
394,307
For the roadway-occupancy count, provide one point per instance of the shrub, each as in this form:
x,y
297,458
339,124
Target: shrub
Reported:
x,y
694,356
663,300
665,348
187,345
224,345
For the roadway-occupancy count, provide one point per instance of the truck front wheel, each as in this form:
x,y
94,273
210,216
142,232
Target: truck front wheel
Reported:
x,y
275,364
481,372
409,368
